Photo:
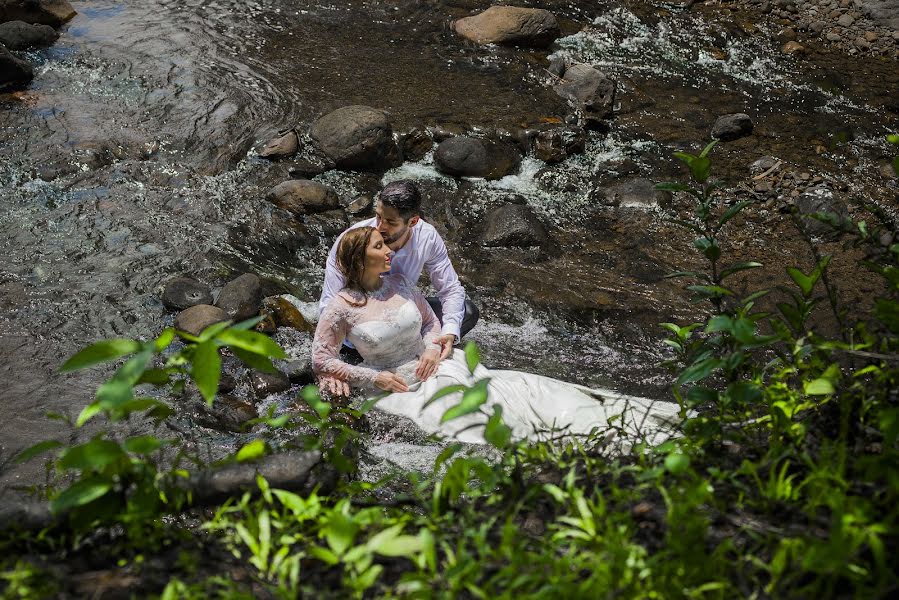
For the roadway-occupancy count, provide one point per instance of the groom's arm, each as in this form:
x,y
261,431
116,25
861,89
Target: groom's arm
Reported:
x,y
334,279
448,287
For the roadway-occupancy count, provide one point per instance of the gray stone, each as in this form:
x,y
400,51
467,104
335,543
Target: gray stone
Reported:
x,y
227,413
464,156
13,71
18,35
329,224
817,26
45,12
510,25
732,127
241,298
762,164
183,292
822,200
356,138
514,225
416,144
285,144
588,90
555,145
265,384
197,318
636,193
303,196
845,21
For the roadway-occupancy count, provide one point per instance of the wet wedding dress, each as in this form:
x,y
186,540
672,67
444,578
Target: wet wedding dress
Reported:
x,y
393,326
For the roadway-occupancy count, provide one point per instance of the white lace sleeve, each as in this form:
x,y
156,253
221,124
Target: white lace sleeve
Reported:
x,y
430,324
332,329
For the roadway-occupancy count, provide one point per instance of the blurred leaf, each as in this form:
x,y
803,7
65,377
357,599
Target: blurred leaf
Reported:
x,y
887,312
155,377
164,339
114,393
818,387
719,323
248,324
36,450
95,454
745,393
698,371
472,356
701,395
340,532
100,352
251,341
736,268
260,363
206,369
677,463
213,330
251,451
314,400
694,274
134,367
445,391
710,291
496,432
472,399
143,444
390,543
80,493
88,412
672,187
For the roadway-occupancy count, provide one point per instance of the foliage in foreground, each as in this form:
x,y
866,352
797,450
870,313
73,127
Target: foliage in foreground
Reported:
x,y
783,482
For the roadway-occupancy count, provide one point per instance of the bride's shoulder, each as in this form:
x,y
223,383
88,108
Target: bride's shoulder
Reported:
x,y
348,297
398,281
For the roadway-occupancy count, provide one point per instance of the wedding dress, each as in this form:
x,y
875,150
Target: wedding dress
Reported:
x,y
393,326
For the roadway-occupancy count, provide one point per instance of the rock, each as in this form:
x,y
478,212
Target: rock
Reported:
x,y
227,383
588,90
299,372
13,71
416,144
18,35
788,34
514,225
197,318
555,145
557,66
309,310
732,127
817,26
833,37
636,193
464,156
266,325
329,224
793,48
361,207
845,21
183,292
302,196
510,25
265,384
227,413
871,36
819,199
289,471
286,144
45,12
762,164
356,138
241,297
286,314
307,167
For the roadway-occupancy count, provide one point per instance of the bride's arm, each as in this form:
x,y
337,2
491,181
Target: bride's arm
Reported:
x,y
330,333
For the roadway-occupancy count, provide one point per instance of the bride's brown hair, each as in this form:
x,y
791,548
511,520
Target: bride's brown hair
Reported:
x,y
351,256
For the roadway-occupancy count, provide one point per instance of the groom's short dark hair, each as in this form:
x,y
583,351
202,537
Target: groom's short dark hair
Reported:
x,y
403,195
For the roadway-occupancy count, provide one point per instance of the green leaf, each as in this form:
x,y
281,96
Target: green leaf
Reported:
x,y
700,168
314,400
260,363
446,454
708,148
741,266
496,432
672,187
472,356
251,451
165,338
818,387
698,370
143,444
113,394
710,291
80,493
445,391
88,412
134,367
36,450
251,341
744,393
155,377
340,532
95,454
677,463
212,331
472,399
719,323
100,352
701,395
248,324
731,212
694,274
887,312
206,369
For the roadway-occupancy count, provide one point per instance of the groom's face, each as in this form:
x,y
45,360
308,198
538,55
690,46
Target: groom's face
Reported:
x,y
393,228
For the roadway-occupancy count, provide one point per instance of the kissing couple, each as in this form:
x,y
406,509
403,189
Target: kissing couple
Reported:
x,y
377,333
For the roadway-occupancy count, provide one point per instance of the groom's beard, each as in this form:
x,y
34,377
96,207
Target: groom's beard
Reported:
x,y
396,237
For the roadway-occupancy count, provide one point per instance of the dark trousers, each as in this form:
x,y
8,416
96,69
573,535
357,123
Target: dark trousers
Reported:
x,y
469,319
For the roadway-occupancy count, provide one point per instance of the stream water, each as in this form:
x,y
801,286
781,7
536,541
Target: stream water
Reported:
x,y
130,160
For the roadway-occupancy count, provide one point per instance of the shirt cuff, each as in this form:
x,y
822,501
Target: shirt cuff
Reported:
x,y
453,329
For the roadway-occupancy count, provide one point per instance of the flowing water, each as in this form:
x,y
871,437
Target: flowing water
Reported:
x,y
130,159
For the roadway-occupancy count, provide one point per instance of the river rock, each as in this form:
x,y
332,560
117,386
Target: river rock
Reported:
x,y
299,372
45,12
510,25
555,145
636,193
793,48
197,318
732,127
227,413
285,144
286,314
328,224
361,206
265,384
514,225
13,71
464,156
588,90
19,35
183,292
303,196
241,297
820,199
356,138
416,144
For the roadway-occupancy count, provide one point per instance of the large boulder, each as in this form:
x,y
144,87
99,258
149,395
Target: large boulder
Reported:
x,y
510,25
731,127
464,156
819,200
241,297
303,196
46,12
197,318
356,138
13,71
514,225
286,314
557,144
19,35
183,292
588,90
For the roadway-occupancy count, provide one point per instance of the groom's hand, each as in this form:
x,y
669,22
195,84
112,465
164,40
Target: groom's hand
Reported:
x,y
337,387
391,382
446,342
427,364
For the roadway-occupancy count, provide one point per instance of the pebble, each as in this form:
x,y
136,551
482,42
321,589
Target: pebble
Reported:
x,y
793,48
845,21
834,37
871,36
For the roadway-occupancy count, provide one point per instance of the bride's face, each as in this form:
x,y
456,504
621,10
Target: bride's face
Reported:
x,y
377,254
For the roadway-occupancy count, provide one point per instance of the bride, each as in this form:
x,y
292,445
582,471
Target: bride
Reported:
x,y
394,329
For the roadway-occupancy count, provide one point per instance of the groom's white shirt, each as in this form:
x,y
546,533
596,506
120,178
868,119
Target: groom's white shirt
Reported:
x,y
425,249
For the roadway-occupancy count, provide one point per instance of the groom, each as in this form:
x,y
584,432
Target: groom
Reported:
x,y
417,245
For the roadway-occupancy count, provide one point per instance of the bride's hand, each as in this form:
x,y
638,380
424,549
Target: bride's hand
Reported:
x,y
391,382
427,364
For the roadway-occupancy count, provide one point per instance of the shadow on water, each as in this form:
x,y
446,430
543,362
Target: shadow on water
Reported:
x,y
128,160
